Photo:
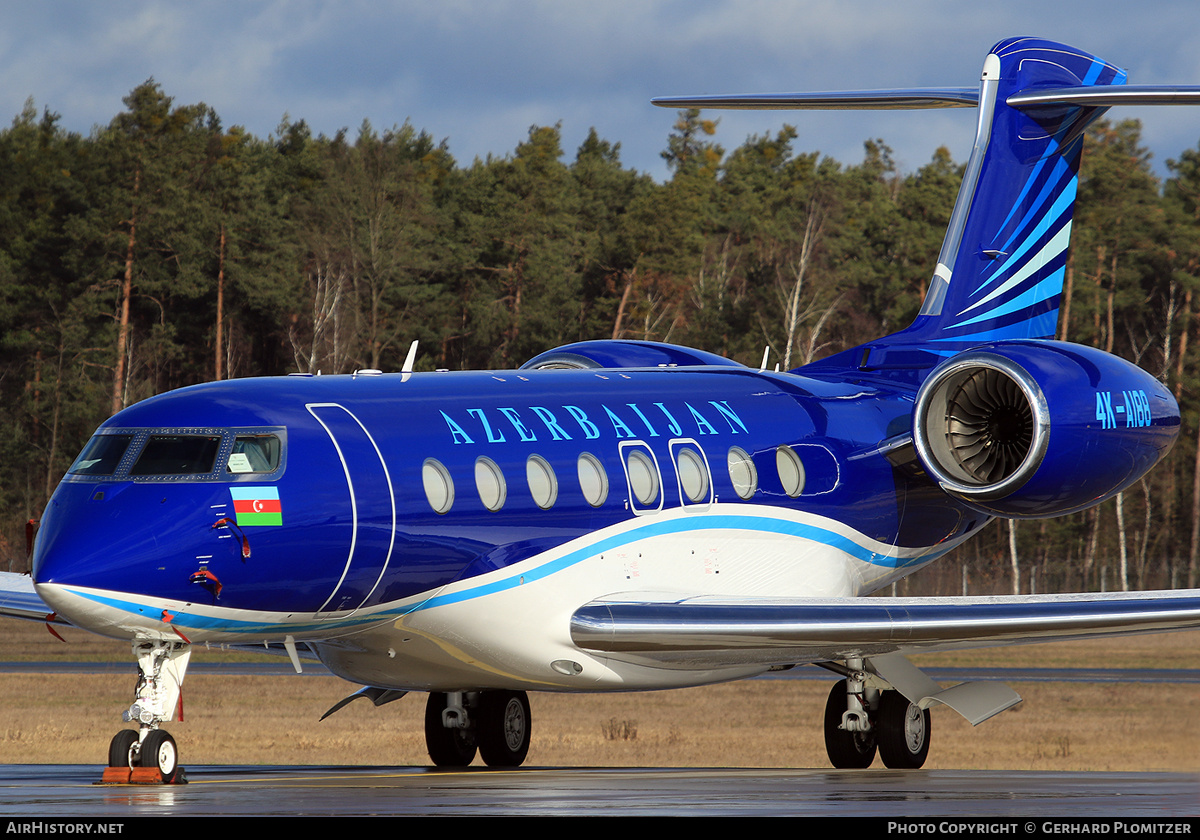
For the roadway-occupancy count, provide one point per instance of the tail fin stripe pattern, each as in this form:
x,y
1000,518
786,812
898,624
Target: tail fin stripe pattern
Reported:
x,y
1021,268
1051,183
1009,264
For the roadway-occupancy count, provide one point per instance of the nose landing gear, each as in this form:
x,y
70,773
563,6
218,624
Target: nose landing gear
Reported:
x,y
148,755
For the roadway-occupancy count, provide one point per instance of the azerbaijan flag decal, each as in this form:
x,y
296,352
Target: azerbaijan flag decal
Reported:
x,y
257,505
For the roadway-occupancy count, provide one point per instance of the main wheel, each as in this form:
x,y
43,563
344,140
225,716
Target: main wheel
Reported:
x,y
447,747
903,732
504,728
120,749
158,750
846,750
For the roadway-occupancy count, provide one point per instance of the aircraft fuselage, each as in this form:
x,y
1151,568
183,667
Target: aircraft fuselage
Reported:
x,y
399,502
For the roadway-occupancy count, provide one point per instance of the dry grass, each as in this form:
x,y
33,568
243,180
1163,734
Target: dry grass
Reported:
x,y
759,723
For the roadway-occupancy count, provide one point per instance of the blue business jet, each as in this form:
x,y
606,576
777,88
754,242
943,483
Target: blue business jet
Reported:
x,y
623,515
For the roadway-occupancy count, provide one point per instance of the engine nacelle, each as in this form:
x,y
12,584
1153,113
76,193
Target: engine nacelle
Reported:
x,y
1027,429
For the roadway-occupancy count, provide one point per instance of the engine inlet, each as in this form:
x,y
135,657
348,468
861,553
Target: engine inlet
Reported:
x,y
980,426
989,425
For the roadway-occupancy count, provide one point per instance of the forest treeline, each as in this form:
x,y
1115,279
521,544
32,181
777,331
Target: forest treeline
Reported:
x,y
164,249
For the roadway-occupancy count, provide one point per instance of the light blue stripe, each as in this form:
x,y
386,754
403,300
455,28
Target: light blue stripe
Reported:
x,y
1042,325
1045,289
740,522
1052,184
1054,216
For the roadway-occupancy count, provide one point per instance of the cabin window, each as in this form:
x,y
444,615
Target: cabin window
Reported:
x,y
177,455
791,470
742,472
693,475
489,481
439,487
593,480
101,455
643,477
543,484
254,454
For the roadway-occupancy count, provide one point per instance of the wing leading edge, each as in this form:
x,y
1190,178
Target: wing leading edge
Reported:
x,y
19,600
706,632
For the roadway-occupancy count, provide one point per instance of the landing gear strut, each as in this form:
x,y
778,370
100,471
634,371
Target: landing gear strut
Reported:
x,y
861,720
496,723
161,668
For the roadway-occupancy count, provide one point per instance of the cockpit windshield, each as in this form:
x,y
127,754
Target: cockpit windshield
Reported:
x,y
101,456
177,454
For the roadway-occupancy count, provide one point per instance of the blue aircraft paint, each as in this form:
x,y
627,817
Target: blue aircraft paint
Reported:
x,y
401,494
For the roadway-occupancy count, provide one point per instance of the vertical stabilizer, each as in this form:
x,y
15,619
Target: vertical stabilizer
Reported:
x,y
1000,271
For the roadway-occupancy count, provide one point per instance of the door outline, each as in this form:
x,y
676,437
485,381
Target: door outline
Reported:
x,y
634,505
320,613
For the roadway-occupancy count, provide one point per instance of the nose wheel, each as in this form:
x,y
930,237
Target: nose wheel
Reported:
x,y
148,757
120,749
158,751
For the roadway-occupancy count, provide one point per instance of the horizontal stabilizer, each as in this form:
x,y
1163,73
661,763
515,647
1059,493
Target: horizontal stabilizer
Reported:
x,y
836,100
1105,96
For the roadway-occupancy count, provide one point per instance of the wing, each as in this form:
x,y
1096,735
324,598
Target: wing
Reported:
x,y
19,600
706,632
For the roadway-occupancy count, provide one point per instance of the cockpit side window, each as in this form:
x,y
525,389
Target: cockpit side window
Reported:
x,y
101,455
254,454
177,455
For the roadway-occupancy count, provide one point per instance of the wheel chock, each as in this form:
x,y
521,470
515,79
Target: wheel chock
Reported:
x,y
139,776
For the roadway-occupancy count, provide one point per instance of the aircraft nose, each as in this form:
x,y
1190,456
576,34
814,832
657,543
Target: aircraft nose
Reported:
x,y
85,542
115,553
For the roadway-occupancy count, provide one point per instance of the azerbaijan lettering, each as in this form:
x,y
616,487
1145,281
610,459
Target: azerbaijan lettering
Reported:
x,y
570,422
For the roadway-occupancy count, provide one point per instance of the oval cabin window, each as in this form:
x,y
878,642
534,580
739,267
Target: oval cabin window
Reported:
x,y
489,481
643,477
543,484
693,475
791,470
593,481
742,472
439,488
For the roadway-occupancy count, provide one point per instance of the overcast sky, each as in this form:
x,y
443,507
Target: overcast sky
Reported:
x,y
479,73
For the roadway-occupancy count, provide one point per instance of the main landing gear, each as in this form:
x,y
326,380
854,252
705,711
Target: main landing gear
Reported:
x,y
148,754
861,720
497,724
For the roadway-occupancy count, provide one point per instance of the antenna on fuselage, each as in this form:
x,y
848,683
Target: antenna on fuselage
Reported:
x,y
766,353
409,360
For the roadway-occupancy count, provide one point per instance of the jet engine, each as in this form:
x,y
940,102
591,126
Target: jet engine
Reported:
x,y
1029,429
